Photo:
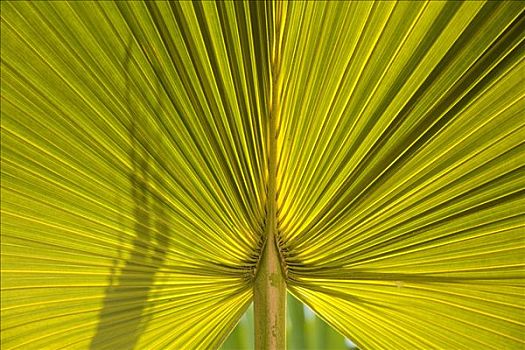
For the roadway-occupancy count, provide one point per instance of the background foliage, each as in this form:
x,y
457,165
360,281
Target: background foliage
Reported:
x,y
305,331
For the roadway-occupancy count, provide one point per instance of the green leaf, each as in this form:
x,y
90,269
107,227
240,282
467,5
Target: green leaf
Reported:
x,y
135,172
132,171
402,178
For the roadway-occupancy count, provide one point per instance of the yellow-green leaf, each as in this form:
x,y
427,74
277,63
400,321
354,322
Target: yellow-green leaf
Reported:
x,y
135,170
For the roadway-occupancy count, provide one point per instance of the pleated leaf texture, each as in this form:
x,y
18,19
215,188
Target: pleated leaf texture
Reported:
x,y
135,169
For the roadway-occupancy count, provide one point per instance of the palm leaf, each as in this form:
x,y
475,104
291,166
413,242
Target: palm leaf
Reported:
x,y
402,171
132,197
135,146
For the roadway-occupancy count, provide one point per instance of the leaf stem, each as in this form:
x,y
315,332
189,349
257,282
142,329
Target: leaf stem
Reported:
x,y
270,284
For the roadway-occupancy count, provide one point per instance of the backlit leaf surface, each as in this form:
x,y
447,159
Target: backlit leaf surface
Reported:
x,y
134,170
